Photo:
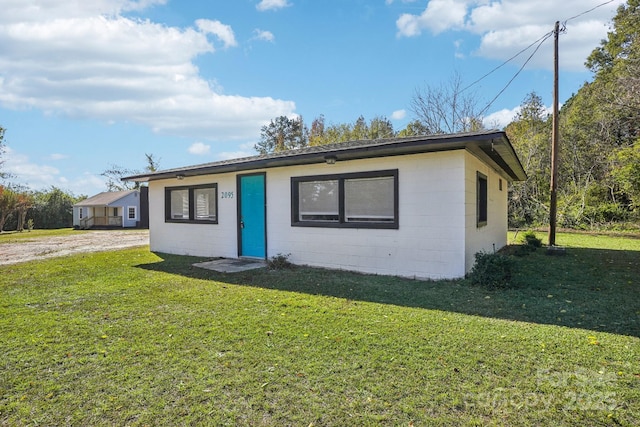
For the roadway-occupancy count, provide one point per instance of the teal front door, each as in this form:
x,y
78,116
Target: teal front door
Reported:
x,y
252,231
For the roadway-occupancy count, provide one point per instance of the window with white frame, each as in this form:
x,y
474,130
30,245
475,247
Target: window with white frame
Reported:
x,y
196,204
131,212
354,200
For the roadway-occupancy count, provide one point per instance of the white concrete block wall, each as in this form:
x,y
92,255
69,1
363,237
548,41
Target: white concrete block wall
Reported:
x,y
434,215
494,233
207,240
428,243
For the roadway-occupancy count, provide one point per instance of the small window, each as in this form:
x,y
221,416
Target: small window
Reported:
x,y
115,211
482,199
318,200
80,213
196,204
179,204
500,184
357,200
205,204
131,212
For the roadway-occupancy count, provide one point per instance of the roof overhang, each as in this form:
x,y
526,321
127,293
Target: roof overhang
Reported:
x,y
492,147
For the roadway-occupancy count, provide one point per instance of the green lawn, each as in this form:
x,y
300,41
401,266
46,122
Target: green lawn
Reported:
x,y
135,338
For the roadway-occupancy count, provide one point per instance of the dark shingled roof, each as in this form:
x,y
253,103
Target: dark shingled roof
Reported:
x,y
492,147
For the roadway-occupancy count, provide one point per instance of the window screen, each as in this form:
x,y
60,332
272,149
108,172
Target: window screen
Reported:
x,y
180,204
369,199
194,204
205,203
352,200
318,201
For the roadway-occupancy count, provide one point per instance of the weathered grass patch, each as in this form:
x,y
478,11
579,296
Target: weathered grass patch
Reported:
x,y
16,236
134,338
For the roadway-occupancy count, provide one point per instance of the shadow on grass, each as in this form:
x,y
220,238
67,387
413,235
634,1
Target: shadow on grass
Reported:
x,y
592,289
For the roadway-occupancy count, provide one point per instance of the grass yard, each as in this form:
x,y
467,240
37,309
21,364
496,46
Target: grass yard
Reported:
x,y
16,236
135,338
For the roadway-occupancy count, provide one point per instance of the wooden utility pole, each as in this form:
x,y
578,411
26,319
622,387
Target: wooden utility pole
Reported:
x,y
554,145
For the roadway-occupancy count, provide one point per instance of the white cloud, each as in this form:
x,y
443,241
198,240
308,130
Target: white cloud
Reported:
x,y
200,149
87,184
508,26
42,10
458,49
263,35
20,165
244,150
398,114
84,60
220,30
272,5
439,16
500,119
58,156
38,176
41,176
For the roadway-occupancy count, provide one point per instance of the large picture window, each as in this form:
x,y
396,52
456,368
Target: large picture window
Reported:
x,y
356,200
197,204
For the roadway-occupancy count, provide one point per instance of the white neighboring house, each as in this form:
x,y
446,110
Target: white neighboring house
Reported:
x,y
415,207
110,209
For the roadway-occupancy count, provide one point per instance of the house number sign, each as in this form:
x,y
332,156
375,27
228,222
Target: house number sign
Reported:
x,y
227,195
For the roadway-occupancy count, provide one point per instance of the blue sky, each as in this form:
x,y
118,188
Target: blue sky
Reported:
x,y
86,85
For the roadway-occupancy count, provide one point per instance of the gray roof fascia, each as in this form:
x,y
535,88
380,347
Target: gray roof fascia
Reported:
x,y
492,146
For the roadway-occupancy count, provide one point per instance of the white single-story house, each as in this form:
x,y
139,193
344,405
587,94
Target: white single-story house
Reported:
x,y
111,209
416,206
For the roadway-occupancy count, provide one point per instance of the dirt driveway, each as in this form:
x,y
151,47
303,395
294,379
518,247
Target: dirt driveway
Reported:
x,y
54,246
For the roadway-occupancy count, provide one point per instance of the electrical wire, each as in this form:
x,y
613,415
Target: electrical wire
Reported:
x,y
540,42
544,39
587,11
507,61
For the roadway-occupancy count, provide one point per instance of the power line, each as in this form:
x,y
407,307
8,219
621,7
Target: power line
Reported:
x,y
544,39
540,41
564,23
546,36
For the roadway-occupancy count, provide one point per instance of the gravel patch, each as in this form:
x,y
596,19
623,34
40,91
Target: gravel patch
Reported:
x,y
55,246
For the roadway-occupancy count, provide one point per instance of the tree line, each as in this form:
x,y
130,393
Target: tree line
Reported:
x,y
22,209
437,109
599,161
